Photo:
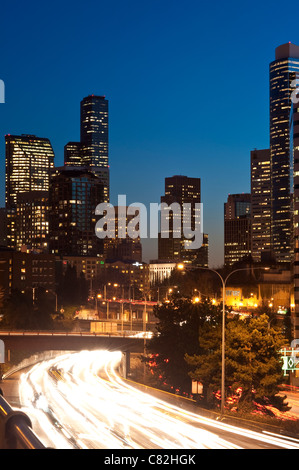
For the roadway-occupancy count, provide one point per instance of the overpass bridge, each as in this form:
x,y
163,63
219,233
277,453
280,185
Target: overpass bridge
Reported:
x,y
15,426
39,341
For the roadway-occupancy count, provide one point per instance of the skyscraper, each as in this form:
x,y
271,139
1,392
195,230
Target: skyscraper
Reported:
x,y
74,195
92,150
73,154
260,204
283,70
124,247
29,161
32,221
294,130
171,245
94,131
237,228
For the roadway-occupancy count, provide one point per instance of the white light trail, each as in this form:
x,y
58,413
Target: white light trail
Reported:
x,y
80,401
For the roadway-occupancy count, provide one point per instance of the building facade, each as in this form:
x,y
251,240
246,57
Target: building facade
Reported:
x,y
92,151
172,243
260,204
283,70
237,228
22,271
160,270
29,161
122,246
74,195
294,126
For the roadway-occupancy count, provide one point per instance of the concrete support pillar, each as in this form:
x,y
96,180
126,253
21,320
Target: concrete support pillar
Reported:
x,y
125,364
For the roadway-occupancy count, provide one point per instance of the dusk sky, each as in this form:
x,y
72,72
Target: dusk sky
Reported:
x,y
187,84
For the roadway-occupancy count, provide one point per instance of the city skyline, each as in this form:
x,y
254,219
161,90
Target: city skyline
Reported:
x,y
166,116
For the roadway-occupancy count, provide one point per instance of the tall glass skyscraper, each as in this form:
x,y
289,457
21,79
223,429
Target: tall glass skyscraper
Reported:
x,y
92,150
171,245
74,195
260,164
94,131
29,162
237,228
283,70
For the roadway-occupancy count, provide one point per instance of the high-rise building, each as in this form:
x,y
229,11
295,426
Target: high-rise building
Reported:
x,y
171,245
94,131
122,247
92,150
3,227
73,154
24,270
237,228
74,195
29,162
32,221
283,70
260,204
294,128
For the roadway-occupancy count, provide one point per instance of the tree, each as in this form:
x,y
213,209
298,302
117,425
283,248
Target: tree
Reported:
x,y
177,333
72,290
251,360
20,312
206,366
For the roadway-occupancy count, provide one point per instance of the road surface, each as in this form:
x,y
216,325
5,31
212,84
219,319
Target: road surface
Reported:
x,y
79,401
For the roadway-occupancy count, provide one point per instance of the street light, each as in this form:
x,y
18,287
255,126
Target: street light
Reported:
x,y
51,292
181,266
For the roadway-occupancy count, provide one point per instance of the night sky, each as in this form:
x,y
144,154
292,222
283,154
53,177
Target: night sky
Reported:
x,y
187,84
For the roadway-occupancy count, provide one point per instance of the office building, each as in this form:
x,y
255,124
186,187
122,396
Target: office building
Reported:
x,y
237,228
73,154
32,221
122,246
260,204
26,271
92,151
180,190
29,160
94,131
74,195
283,70
3,227
294,127
132,276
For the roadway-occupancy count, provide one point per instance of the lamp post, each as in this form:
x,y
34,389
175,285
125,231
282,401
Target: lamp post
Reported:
x,y
224,281
51,292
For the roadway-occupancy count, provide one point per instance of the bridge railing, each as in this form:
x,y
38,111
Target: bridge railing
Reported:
x,y
126,334
16,429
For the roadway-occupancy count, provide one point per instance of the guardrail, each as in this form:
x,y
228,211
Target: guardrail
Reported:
x,y
126,334
16,429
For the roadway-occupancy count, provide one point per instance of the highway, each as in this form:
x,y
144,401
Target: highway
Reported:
x,y
78,400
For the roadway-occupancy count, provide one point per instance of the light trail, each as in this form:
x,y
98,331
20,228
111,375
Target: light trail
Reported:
x,y
78,400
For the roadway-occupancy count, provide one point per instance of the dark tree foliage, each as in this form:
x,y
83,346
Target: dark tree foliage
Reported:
x,y
252,361
21,312
72,290
188,345
177,333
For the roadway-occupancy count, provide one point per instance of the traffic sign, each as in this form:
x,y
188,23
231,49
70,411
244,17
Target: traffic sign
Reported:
x,y
290,360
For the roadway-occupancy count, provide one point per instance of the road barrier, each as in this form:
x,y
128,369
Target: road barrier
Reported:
x,y
16,429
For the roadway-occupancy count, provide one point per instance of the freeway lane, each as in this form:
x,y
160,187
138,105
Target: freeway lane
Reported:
x,y
79,401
